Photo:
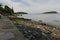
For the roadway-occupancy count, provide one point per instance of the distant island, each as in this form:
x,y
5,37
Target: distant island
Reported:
x,y
21,13
51,12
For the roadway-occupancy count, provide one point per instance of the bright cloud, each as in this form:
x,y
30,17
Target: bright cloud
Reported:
x,y
33,6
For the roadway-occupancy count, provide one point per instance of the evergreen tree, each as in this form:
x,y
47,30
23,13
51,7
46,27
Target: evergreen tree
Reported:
x,y
8,10
1,8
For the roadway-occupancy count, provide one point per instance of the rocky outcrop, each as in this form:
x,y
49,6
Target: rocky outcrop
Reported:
x,y
8,30
34,33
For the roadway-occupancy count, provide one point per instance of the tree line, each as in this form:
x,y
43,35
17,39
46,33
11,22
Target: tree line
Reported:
x,y
6,10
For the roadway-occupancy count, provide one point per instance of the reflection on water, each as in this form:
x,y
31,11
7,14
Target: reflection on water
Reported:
x,y
52,19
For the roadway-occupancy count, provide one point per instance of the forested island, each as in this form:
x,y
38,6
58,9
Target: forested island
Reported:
x,y
50,12
21,13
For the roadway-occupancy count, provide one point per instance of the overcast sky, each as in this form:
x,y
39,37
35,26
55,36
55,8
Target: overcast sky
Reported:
x,y
33,6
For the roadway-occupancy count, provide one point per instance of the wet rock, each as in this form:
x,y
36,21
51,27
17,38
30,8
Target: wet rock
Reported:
x,y
34,33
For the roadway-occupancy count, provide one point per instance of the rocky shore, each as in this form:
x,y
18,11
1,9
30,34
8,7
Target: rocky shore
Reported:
x,y
34,33
32,29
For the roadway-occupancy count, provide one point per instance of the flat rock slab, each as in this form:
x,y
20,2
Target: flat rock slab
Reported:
x,y
8,31
7,36
5,23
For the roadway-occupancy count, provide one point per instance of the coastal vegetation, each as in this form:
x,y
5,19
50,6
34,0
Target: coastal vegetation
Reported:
x,y
7,11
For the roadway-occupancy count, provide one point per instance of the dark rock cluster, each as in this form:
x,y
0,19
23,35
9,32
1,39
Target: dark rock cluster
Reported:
x,y
34,33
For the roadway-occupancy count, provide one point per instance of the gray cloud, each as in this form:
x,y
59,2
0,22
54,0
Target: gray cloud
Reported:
x,y
32,6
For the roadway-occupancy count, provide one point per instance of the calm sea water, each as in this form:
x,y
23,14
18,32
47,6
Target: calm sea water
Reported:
x,y
52,19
